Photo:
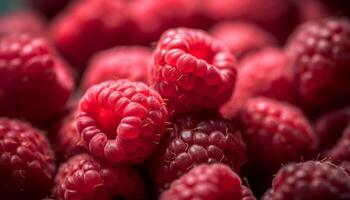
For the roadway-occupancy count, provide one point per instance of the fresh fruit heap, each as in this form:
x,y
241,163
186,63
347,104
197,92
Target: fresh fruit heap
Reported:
x,y
175,100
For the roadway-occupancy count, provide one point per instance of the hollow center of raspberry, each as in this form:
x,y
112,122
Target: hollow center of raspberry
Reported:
x,y
108,122
202,52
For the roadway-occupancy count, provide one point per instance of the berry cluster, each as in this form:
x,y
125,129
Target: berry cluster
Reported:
x,y
175,100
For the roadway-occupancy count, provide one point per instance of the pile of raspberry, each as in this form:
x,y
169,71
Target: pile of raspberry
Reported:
x,y
175,100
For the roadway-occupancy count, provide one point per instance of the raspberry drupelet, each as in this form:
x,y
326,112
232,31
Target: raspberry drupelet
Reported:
x,y
310,180
127,62
35,83
320,54
214,182
193,140
192,71
83,177
27,163
276,133
121,121
341,150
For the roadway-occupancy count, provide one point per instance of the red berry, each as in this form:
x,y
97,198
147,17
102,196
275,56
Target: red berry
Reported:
x,y
79,30
243,38
82,177
121,121
330,126
119,63
194,140
21,21
214,182
310,180
35,84
276,133
192,71
27,162
311,10
341,151
320,54
67,140
265,73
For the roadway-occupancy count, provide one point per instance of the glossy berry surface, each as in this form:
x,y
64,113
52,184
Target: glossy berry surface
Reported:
x,y
191,141
121,121
27,163
215,182
192,71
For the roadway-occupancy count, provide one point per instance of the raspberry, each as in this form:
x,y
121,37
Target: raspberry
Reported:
x,y
48,7
21,21
192,71
341,151
311,10
276,133
118,63
194,140
242,38
82,177
121,121
310,180
254,81
27,162
74,32
320,54
276,16
330,126
215,182
67,139
34,83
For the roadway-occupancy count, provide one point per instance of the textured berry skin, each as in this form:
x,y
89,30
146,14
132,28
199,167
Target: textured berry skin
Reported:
x,y
341,151
131,62
243,38
35,84
310,180
82,177
214,182
253,80
320,55
21,21
192,71
330,126
27,164
193,140
276,16
48,7
276,133
74,32
121,121
67,140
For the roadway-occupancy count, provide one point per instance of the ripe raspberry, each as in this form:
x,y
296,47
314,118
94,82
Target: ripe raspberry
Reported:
x,y
346,166
214,182
48,7
121,121
243,38
82,177
276,16
121,62
34,83
276,133
27,162
330,126
194,140
21,21
311,10
76,30
341,151
67,140
192,71
320,54
253,80
310,180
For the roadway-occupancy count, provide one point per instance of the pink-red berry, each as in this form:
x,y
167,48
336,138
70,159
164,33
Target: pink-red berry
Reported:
x,y
192,71
27,163
121,121
193,140
214,182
